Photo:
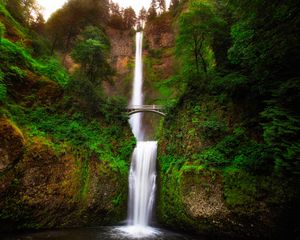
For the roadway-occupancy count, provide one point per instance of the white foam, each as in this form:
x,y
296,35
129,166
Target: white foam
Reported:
x,y
138,231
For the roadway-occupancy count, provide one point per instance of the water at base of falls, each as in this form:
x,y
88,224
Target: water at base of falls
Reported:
x,y
98,233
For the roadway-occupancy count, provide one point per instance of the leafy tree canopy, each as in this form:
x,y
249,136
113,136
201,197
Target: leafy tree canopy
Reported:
x,y
91,52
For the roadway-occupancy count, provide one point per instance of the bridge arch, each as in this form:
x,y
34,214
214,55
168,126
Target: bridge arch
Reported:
x,y
152,111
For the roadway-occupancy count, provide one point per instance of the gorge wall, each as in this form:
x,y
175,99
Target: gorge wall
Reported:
x,y
196,195
122,61
159,59
61,165
214,178
41,188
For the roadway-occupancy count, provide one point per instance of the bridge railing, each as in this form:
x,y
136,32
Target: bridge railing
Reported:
x,y
144,107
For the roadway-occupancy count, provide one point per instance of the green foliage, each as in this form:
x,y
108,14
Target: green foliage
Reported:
x,y
281,133
76,131
212,127
242,189
23,11
3,89
91,51
84,176
171,209
52,68
117,200
19,30
229,86
12,54
2,31
65,24
89,99
197,27
210,157
39,46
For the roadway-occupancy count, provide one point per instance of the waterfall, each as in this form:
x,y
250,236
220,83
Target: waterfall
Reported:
x,y
142,176
137,88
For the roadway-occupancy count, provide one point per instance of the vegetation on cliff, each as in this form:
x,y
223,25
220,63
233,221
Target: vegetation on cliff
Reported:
x,y
65,144
235,123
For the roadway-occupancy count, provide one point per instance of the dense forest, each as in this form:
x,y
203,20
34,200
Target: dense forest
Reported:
x,y
227,74
233,132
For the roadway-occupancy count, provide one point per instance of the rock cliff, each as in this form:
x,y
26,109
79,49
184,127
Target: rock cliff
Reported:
x,y
122,60
40,188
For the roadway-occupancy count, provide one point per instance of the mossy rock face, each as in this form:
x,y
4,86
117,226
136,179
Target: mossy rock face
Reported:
x,y
47,189
31,89
11,144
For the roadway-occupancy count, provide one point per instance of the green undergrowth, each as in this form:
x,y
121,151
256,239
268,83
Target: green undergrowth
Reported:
x,y
75,130
98,135
16,60
197,138
171,209
8,20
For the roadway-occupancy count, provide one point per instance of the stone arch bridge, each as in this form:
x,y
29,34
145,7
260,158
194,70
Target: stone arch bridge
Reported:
x,y
132,109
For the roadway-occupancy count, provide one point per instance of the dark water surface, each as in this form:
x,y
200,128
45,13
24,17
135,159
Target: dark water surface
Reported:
x,y
98,233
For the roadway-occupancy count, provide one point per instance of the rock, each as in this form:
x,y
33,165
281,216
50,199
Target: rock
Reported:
x,y
32,89
122,55
46,189
11,144
204,200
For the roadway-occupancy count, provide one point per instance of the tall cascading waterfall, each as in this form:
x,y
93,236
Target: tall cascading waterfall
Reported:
x,y
137,89
142,176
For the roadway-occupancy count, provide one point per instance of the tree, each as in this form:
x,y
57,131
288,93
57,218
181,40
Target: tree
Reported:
x,y
265,47
152,13
141,18
24,11
116,16
174,5
66,23
129,18
39,24
197,27
161,5
91,52
142,14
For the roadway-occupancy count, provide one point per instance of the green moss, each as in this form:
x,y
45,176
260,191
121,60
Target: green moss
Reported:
x,y
84,176
118,200
3,89
12,53
9,20
171,210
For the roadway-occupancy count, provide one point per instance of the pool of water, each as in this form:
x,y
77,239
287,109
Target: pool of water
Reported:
x,y
101,233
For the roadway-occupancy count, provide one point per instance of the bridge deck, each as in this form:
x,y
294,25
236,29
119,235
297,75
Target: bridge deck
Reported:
x,y
132,109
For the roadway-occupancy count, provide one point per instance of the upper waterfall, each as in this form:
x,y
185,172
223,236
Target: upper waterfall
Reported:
x,y
137,94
